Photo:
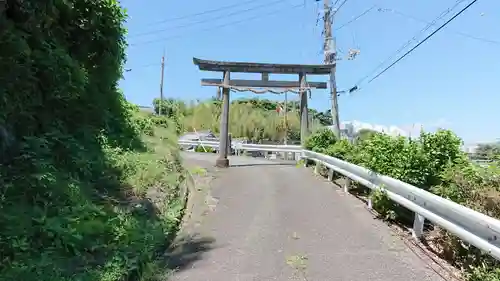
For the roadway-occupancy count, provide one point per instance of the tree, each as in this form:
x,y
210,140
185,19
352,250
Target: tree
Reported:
x,y
365,134
324,118
169,107
488,151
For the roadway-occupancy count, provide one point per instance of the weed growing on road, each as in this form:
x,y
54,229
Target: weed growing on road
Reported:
x,y
299,264
204,149
199,171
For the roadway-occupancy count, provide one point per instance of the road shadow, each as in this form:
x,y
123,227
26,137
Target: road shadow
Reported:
x,y
184,252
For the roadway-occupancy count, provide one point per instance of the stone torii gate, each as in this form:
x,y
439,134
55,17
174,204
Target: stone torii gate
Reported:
x,y
264,69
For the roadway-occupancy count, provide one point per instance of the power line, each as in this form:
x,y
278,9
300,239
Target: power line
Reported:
x,y
205,20
486,40
227,7
356,18
424,40
405,45
216,27
333,10
340,6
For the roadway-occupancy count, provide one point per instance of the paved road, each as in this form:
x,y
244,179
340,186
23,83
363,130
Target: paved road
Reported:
x,y
278,222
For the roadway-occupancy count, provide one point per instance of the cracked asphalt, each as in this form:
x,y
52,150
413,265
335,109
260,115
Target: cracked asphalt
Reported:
x,y
261,213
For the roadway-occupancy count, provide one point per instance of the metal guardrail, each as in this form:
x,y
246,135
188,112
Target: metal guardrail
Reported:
x,y
483,163
473,227
245,146
212,144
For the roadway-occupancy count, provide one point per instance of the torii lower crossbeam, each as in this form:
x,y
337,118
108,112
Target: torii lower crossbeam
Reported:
x,y
263,84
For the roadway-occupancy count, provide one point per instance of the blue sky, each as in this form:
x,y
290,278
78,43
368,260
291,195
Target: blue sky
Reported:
x,y
448,81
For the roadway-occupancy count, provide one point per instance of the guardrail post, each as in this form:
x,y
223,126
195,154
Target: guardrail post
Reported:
x,y
347,184
316,168
370,203
305,160
418,226
330,174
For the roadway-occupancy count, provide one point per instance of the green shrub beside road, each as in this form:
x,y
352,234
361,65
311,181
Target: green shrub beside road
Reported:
x,y
433,162
89,187
206,149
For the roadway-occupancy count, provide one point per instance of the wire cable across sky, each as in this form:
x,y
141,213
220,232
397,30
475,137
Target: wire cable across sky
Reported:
x,y
260,15
486,40
423,41
223,8
414,38
206,20
356,18
356,87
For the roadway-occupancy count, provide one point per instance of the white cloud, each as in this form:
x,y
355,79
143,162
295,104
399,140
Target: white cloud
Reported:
x,y
352,127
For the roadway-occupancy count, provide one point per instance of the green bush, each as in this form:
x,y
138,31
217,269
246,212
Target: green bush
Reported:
x,y
173,123
320,140
478,188
365,134
73,166
433,162
396,157
342,150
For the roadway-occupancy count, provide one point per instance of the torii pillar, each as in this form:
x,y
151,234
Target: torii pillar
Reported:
x,y
223,161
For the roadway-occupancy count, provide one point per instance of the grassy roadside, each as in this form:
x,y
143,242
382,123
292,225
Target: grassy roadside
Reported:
x,y
108,226
159,179
89,187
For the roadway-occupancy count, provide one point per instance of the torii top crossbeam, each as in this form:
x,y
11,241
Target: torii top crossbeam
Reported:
x,y
253,67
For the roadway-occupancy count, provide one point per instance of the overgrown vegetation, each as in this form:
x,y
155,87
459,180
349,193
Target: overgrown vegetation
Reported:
x,y
252,119
433,162
206,149
488,151
89,187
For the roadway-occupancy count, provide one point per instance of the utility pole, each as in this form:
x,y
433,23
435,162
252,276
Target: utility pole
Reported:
x,y
330,51
161,83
